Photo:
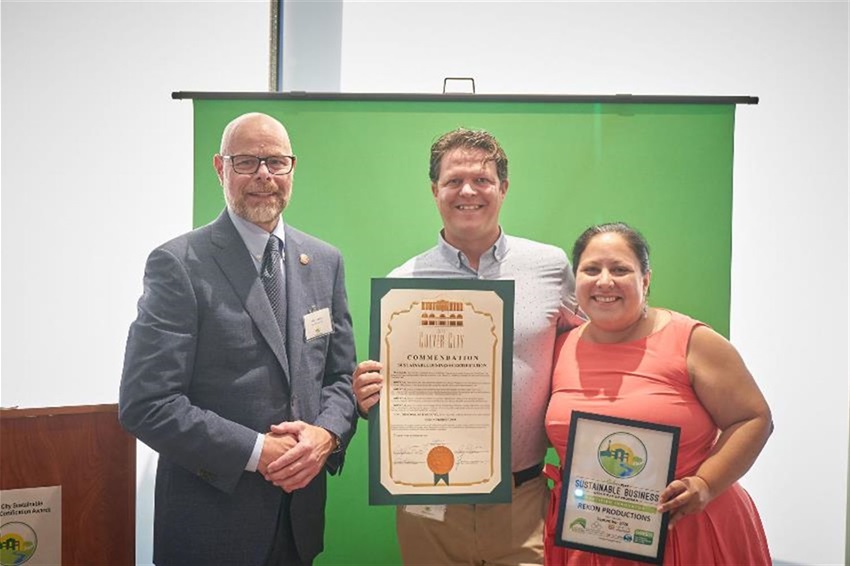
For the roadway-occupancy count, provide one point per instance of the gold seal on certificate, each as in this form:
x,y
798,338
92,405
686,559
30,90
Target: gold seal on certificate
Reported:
x,y
613,475
441,432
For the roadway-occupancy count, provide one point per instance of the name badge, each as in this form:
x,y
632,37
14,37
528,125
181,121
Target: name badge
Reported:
x,y
434,512
317,323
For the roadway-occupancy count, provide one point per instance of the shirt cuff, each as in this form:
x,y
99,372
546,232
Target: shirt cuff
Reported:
x,y
254,460
337,443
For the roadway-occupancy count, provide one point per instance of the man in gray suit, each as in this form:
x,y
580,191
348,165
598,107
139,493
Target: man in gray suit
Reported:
x,y
238,370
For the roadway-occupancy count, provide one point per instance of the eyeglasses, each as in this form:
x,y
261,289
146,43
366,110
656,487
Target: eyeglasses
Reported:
x,y
250,164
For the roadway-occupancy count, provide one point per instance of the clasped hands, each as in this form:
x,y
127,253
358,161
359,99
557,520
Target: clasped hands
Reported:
x,y
294,453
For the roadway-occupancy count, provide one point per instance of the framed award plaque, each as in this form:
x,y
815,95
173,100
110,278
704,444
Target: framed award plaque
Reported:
x,y
613,475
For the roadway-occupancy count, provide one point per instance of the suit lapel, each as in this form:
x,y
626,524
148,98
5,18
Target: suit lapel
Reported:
x,y
299,293
235,262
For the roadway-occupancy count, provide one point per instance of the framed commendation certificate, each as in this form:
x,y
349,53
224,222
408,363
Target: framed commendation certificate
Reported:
x,y
441,431
613,475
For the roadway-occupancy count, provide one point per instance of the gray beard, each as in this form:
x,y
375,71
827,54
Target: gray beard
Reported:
x,y
258,214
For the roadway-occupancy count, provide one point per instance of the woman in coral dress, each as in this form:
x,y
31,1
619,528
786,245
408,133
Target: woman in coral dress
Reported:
x,y
649,364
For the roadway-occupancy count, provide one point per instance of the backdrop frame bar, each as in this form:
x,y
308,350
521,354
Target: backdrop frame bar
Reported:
x,y
464,97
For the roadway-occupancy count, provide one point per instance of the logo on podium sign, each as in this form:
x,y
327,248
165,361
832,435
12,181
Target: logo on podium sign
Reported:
x,y
18,542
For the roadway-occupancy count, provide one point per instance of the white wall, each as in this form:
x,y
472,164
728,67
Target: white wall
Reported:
x,y
82,79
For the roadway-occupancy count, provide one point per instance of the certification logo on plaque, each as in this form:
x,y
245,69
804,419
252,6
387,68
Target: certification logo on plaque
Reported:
x,y
622,455
17,543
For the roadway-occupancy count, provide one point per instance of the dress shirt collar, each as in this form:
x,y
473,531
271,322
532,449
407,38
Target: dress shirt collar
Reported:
x,y
256,238
457,258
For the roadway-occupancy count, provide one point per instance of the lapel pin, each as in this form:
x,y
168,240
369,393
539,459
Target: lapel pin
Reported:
x,y
304,259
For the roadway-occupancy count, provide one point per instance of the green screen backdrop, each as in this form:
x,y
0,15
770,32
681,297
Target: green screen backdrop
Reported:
x,y
662,164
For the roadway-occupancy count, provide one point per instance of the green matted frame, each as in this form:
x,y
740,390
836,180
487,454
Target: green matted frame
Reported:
x,y
661,163
378,494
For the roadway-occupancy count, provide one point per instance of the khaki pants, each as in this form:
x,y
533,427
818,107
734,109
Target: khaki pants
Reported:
x,y
506,534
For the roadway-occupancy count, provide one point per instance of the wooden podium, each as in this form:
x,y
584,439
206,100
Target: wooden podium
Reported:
x,y
84,450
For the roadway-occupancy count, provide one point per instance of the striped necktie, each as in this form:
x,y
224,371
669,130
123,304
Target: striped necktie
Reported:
x,y
274,282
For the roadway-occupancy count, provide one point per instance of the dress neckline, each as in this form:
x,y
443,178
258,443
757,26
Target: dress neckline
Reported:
x,y
584,327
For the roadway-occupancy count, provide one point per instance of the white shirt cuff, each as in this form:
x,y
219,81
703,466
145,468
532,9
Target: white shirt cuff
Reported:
x,y
254,460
